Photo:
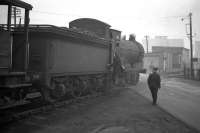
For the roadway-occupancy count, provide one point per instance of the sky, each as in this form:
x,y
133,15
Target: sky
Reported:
x,y
140,17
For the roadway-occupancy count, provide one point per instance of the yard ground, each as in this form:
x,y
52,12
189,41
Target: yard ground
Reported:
x,y
178,96
122,110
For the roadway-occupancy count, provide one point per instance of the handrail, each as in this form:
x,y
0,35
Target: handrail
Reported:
x,y
30,26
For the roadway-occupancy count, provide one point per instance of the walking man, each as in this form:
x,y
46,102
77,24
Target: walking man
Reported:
x,y
154,84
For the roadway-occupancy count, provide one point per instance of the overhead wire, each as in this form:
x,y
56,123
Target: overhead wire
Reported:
x,y
64,14
54,13
159,19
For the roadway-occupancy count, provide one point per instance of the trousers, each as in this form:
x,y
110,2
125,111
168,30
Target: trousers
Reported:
x,y
154,93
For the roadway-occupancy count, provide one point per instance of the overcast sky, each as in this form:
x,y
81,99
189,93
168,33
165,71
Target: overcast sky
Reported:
x,y
141,17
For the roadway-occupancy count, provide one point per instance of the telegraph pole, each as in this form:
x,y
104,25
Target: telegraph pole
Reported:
x,y
191,47
147,42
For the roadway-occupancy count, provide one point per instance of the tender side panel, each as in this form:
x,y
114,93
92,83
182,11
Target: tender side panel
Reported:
x,y
5,49
18,52
72,56
37,53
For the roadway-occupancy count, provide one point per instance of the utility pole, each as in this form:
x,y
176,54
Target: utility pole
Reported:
x,y
191,47
147,43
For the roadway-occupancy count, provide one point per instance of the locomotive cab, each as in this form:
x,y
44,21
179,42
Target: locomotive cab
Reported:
x,y
13,51
10,44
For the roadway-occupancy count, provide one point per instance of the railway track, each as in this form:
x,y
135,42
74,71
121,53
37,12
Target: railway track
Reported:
x,y
19,112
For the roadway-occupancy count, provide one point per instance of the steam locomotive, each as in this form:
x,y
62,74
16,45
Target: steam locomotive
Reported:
x,y
53,63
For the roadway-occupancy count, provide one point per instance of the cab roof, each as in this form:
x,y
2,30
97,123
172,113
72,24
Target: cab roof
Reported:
x,y
17,3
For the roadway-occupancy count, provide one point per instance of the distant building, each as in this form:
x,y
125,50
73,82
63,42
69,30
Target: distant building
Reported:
x,y
167,59
152,60
163,41
196,48
169,55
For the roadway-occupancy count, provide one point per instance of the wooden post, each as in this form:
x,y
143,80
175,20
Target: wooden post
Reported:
x,y
191,47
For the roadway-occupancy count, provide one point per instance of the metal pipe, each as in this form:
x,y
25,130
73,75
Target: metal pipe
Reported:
x,y
11,52
9,17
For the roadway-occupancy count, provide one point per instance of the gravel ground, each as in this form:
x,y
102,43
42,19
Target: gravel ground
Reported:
x,y
122,110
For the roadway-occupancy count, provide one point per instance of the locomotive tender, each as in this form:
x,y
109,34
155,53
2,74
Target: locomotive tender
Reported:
x,y
66,59
54,62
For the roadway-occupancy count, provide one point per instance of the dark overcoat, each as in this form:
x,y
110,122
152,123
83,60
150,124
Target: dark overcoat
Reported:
x,y
154,80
